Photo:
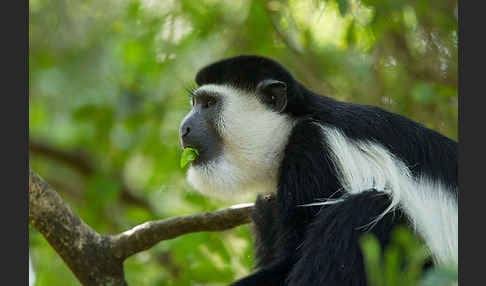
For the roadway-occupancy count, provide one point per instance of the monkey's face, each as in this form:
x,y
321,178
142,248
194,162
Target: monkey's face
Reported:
x,y
240,136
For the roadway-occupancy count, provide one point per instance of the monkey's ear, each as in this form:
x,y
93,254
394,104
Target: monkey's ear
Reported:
x,y
273,93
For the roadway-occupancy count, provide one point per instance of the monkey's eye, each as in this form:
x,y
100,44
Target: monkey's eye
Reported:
x,y
209,102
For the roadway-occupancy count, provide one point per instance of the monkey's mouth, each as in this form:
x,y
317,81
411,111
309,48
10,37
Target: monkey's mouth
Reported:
x,y
208,150
200,153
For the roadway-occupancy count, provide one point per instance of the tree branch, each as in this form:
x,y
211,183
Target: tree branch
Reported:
x,y
97,259
76,159
86,252
146,235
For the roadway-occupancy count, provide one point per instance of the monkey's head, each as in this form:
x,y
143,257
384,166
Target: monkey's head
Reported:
x,y
239,122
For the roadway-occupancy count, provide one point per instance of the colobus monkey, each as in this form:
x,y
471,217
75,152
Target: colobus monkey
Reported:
x,y
337,169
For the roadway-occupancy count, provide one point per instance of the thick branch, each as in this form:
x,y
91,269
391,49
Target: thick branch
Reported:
x,y
97,259
86,252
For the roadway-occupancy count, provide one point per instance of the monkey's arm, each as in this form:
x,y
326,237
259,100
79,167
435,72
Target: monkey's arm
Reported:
x,y
265,215
272,271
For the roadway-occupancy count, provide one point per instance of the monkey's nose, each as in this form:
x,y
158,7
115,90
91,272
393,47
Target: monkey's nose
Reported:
x,y
189,133
185,131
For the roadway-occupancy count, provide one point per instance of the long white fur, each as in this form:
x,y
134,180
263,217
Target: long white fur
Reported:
x,y
429,205
253,141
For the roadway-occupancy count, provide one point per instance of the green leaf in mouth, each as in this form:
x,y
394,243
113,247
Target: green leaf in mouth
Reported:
x,y
189,155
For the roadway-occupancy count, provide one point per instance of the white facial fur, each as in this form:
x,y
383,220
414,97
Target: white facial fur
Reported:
x,y
254,138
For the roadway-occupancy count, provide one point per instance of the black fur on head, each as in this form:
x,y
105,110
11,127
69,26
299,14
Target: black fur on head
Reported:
x,y
246,72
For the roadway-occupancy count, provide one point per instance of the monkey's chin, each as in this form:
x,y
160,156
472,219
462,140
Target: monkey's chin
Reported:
x,y
224,181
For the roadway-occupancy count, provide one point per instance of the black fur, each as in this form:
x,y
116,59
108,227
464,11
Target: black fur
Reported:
x,y
319,245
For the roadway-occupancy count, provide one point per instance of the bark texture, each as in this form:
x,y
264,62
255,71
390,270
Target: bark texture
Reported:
x,y
97,259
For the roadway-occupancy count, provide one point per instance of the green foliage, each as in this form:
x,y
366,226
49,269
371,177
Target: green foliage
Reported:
x,y
107,86
402,262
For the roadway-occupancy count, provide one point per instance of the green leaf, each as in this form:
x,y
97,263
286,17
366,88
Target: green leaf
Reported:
x,y
189,155
351,34
392,265
343,6
372,255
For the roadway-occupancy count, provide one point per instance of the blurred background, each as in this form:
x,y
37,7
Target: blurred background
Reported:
x,y
107,87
